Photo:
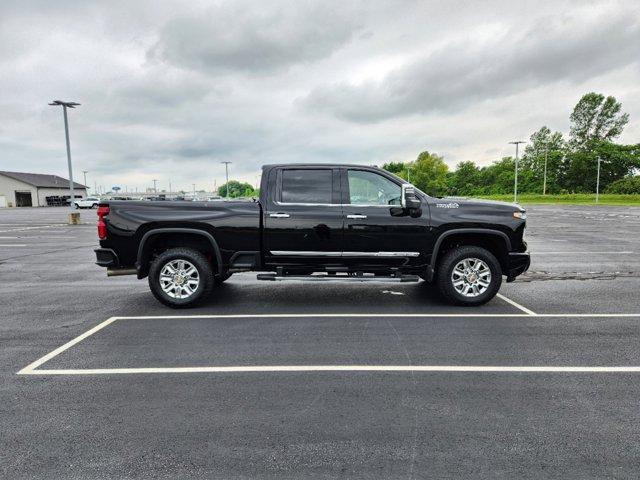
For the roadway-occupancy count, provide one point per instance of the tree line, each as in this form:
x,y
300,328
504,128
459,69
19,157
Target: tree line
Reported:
x,y
571,164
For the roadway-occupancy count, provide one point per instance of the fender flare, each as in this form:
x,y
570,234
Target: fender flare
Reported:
x,y
157,231
456,231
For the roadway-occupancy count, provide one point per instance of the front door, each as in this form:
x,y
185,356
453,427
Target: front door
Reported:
x,y
378,231
303,218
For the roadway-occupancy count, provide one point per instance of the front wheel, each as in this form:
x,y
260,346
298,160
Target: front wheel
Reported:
x,y
180,277
469,275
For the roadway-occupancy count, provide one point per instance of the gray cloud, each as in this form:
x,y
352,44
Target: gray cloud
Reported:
x,y
242,37
464,72
169,89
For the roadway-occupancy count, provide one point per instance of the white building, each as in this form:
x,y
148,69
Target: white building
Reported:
x,y
18,189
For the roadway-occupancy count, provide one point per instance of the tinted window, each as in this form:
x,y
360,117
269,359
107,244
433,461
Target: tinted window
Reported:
x,y
368,188
306,186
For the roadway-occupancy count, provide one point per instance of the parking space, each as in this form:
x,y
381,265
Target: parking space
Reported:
x,y
274,380
341,342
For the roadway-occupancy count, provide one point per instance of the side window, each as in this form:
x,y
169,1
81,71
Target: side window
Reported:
x,y
306,186
368,188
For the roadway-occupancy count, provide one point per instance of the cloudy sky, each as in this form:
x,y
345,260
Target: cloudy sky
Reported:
x,y
171,89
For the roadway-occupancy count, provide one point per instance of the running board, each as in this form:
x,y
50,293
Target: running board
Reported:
x,y
274,277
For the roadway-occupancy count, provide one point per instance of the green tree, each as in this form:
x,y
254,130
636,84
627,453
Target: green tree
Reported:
x,y
464,181
395,167
595,119
578,171
429,173
236,189
627,186
543,144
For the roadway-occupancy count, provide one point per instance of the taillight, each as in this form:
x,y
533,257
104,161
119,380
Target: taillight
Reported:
x,y
102,228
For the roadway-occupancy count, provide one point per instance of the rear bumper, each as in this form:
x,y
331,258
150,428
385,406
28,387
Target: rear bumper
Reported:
x,y
105,257
518,264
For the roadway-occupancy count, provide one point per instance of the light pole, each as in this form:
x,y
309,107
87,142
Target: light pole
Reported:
x,y
169,187
84,172
194,189
65,105
515,180
544,182
154,186
598,182
226,169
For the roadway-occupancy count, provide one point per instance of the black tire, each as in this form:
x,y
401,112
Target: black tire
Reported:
x,y
95,205
449,262
198,260
76,206
220,279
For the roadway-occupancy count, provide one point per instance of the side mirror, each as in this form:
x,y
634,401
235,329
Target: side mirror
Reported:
x,y
410,200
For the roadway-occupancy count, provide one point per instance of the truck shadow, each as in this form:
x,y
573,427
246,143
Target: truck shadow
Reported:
x,y
244,295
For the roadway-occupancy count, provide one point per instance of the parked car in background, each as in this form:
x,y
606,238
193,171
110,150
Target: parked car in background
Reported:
x,y
88,202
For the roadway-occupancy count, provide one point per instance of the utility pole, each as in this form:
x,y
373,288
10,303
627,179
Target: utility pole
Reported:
x,y
84,172
544,183
169,186
95,188
194,190
515,181
73,217
598,182
226,169
154,186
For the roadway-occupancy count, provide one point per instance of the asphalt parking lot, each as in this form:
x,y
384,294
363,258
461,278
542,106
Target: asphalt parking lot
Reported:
x,y
322,380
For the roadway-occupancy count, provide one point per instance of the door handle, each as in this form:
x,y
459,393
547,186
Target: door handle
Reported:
x,y
357,217
279,215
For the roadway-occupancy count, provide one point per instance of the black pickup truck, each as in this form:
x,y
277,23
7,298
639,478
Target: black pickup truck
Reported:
x,y
317,223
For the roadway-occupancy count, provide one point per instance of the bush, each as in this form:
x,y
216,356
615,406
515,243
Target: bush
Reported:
x,y
627,185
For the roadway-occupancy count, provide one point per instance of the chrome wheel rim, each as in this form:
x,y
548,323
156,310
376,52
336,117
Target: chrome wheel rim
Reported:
x,y
471,277
179,279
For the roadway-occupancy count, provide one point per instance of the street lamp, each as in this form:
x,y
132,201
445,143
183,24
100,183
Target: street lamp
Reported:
x,y
154,186
544,182
515,181
226,169
598,183
65,105
84,172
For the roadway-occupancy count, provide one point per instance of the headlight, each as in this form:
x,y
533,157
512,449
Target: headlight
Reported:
x,y
520,215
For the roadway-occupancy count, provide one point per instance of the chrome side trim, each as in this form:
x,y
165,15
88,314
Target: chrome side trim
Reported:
x,y
297,253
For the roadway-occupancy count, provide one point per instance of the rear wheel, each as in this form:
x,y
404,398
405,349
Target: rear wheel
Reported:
x,y
469,275
180,277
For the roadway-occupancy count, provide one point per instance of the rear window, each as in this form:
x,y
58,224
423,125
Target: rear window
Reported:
x,y
306,186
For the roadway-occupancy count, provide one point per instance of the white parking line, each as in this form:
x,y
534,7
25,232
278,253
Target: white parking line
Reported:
x,y
338,368
13,245
32,369
516,304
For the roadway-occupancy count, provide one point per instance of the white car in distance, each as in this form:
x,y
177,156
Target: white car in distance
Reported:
x,y
88,202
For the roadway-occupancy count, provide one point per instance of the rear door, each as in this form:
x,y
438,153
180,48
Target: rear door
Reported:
x,y
378,231
303,218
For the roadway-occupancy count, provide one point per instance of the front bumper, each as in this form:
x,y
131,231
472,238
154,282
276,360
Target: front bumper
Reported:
x,y
105,257
518,264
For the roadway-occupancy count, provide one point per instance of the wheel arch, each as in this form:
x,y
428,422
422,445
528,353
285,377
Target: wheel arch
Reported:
x,y
153,237
497,242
